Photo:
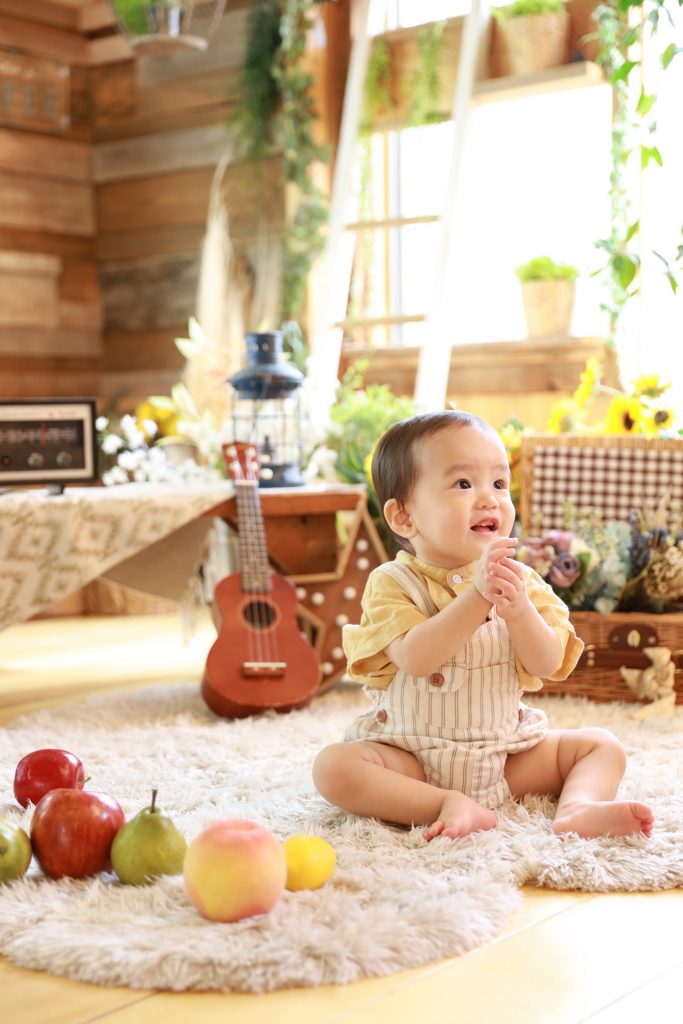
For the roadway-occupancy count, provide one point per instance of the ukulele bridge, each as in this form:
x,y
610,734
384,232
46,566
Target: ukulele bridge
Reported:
x,y
271,669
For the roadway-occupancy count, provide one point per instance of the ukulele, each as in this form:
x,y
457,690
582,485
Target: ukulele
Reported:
x,y
259,659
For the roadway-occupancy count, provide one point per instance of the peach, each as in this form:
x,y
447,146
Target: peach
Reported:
x,y
234,869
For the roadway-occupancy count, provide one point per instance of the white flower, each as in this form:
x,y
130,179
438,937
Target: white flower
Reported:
x,y
605,605
111,444
579,547
131,461
115,475
101,423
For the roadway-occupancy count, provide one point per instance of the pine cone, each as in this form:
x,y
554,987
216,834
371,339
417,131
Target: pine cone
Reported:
x,y
663,578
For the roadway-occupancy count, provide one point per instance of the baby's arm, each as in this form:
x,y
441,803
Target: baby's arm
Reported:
x,y
426,646
536,644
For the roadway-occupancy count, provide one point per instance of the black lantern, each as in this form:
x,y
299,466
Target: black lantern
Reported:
x,y
266,410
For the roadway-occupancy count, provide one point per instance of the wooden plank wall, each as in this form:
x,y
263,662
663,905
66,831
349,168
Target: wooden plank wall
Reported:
x,y
160,128
50,304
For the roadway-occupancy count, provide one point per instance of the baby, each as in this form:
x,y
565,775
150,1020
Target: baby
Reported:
x,y
452,632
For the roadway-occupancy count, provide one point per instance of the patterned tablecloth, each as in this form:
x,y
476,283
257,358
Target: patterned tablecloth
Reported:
x,y
151,536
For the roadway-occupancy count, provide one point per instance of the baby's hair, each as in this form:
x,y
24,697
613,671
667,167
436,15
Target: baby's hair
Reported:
x,y
395,464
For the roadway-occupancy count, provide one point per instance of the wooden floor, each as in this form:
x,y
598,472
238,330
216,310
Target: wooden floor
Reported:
x,y
563,957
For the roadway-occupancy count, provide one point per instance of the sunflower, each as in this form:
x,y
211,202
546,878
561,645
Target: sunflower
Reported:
x,y
565,416
590,380
649,386
658,420
624,416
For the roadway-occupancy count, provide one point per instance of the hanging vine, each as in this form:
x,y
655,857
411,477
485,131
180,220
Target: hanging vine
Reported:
x,y
275,114
621,26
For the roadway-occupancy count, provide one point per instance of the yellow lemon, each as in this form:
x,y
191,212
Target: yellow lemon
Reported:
x,y
310,862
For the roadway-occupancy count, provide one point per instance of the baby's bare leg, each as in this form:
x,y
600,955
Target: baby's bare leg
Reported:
x,y
381,781
584,767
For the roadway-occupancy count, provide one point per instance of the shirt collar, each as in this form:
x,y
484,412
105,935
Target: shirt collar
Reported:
x,y
446,577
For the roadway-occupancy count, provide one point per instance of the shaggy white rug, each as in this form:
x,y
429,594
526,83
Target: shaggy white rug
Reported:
x,y
394,901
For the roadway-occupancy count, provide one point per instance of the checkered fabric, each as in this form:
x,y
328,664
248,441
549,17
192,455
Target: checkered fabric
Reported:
x,y
611,481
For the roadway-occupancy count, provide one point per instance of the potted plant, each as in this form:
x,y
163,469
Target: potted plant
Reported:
x,y
530,35
548,290
162,27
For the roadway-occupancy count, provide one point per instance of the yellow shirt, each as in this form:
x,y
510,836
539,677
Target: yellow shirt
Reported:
x,y
388,613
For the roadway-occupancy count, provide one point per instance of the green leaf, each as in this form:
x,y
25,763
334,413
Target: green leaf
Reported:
x,y
648,153
632,230
645,103
625,267
622,73
671,51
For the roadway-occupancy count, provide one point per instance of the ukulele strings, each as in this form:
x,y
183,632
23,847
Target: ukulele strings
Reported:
x,y
246,570
264,605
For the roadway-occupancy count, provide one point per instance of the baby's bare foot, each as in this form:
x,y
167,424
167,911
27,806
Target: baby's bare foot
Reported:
x,y
459,816
608,818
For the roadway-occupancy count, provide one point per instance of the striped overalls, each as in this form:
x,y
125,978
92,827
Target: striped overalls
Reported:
x,y
461,721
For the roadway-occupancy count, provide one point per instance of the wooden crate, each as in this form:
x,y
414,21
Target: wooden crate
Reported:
x,y
617,640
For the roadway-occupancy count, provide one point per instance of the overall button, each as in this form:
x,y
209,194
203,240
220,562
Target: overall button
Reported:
x,y
455,579
436,679
381,716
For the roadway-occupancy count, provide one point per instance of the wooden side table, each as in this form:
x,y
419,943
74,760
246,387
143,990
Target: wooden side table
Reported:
x,y
301,524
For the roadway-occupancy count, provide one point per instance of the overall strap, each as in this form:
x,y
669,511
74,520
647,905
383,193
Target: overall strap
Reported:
x,y
415,590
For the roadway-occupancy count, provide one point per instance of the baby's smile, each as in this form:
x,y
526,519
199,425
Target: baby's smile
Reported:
x,y
488,525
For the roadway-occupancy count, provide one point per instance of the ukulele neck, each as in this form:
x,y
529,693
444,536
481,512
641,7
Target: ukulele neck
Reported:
x,y
254,568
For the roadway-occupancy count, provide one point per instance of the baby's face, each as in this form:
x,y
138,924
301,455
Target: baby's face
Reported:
x,y
461,499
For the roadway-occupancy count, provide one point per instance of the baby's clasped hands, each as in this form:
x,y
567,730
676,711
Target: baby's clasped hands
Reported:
x,y
505,584
495,550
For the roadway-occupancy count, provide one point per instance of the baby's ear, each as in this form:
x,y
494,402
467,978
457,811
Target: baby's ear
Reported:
x,y
398,519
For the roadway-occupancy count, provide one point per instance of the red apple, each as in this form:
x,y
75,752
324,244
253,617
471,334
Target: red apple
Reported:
x,y
42,770
72,832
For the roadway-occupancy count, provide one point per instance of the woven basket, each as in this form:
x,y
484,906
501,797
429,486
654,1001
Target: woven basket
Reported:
x,y
615,640
532,42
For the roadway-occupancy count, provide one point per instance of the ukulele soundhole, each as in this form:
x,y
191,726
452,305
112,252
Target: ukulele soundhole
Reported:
x,y
259,614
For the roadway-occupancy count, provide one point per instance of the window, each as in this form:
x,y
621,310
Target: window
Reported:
x,y
536,180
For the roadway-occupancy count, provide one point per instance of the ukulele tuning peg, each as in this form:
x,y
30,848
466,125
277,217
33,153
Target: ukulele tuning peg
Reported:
x,y
231,451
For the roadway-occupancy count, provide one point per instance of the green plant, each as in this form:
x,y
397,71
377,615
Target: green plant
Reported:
x,y
543,268
275,114
257,89
377,91
133,13
359,417
520,7
425,83
621,26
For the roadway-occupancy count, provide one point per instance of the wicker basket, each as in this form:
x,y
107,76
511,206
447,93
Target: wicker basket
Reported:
x,y
617,640
532,42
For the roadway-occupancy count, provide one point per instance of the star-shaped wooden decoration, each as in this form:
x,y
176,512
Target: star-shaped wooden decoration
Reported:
x,y
328,601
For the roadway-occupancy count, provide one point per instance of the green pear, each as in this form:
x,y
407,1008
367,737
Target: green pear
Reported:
x,y
15,851
147,846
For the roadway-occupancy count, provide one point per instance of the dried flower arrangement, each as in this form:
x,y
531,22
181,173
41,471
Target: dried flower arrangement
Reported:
x,y
612,566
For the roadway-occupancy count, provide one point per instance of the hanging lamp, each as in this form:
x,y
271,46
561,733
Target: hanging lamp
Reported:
x,y
160,28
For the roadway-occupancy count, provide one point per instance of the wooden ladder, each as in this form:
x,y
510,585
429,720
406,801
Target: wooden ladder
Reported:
x,y
330,310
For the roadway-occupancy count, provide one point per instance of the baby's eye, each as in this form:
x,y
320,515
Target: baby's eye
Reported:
x,y
462,484
501,485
